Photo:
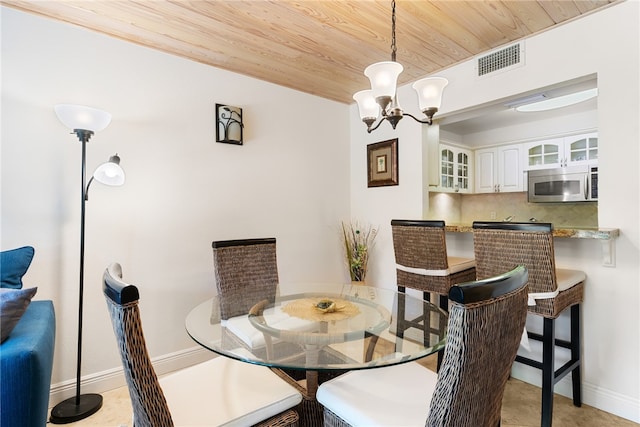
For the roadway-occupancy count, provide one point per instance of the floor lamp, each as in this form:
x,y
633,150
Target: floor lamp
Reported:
x,y
84,121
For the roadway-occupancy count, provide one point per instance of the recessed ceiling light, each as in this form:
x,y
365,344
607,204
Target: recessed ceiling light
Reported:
x,y
526,100
559,102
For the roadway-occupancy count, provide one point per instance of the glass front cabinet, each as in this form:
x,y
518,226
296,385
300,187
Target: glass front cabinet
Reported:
x,y
562,152
581,149
455,169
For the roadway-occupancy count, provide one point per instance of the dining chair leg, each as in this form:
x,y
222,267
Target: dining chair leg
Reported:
x,y
444,305
400,318
404,324
575,355
548,380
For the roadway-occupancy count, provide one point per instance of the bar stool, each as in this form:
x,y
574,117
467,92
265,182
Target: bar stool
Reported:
x,y
498,246
422,263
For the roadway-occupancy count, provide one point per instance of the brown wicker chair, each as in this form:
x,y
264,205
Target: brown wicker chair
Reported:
x,y
485,325
422,263
501,245
246,271
195,395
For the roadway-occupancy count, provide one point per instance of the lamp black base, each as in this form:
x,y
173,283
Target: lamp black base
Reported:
x,y
67,411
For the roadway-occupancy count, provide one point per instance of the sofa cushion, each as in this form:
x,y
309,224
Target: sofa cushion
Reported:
x,y
13,303
13,265
26,362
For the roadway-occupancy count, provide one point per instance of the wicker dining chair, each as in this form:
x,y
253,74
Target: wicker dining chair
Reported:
x,y
219,391
486,321
501,245
246,271
422,263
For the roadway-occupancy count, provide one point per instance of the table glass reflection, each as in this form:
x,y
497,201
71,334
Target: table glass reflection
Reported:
x,y
299,329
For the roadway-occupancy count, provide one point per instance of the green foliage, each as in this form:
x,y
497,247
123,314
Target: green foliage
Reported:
x,y
358,241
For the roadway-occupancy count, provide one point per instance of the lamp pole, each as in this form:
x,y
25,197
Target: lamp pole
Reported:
x,y
81,405
84,121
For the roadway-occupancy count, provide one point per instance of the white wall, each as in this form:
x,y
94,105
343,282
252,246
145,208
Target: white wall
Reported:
x,y
606,44
290,180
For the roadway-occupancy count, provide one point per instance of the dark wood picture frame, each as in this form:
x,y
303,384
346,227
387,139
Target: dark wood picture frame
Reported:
x,y
382,163
229,124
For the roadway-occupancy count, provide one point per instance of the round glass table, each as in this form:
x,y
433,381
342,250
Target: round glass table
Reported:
x,y
315,331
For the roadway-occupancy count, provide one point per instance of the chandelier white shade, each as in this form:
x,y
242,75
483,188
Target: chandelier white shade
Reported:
x,y
367,105
430,92
383,77
82,117
381,101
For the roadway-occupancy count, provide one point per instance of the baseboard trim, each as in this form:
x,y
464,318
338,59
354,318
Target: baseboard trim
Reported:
x,y
101,382
592,395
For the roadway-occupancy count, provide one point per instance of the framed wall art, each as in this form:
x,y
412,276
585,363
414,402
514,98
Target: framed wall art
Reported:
x,y
229,124
382,163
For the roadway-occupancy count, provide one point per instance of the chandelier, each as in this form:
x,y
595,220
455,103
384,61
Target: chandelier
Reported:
x,y
382,99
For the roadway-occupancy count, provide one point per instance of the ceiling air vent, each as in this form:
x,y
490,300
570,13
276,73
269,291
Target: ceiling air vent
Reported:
x,y
506,58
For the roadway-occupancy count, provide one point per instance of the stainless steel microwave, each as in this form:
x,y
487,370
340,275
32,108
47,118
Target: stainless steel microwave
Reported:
x,y
570,184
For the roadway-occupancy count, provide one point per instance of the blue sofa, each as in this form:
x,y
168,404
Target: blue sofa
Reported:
x,y
26,362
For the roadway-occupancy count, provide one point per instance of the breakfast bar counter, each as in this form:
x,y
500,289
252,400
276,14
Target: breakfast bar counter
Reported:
x,y
575,233
607,237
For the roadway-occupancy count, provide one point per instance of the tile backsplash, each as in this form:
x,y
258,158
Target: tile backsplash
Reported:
x,y
465,208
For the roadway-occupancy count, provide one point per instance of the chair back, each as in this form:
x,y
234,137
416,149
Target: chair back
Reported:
x,y
150,407
420,244
246,271
486,321
500,246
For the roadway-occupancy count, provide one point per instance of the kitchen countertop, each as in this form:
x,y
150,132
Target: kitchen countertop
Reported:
x,y
574,233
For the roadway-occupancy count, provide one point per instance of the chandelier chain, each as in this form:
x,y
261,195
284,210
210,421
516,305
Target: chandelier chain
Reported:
x,y
393,30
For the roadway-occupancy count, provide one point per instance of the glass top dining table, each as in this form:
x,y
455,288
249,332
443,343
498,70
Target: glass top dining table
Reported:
x,y
319,327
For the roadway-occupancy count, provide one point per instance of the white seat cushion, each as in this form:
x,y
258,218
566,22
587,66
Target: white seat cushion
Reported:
x,y
241,327
394,396
226,392
457,264
567,278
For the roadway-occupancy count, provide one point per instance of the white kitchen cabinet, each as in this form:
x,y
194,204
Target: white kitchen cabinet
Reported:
x,y
499,169
455,169
544,154
581,149
561,152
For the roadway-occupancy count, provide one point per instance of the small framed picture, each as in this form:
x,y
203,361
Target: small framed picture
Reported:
x,y
229,124
382,163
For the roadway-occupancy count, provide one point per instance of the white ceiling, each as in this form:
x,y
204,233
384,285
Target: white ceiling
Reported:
x,y
499,114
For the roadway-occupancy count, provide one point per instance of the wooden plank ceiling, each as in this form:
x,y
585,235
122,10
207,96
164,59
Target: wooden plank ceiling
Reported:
x,y
316,46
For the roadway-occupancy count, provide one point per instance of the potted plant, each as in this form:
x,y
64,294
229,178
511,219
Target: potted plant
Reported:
x,y
358,241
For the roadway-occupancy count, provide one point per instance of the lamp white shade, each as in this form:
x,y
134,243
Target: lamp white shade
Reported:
x,y
82,117
367,104
110,173
430,92
383,77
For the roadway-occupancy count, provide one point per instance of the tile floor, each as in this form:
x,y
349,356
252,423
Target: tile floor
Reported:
x,y
520,408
